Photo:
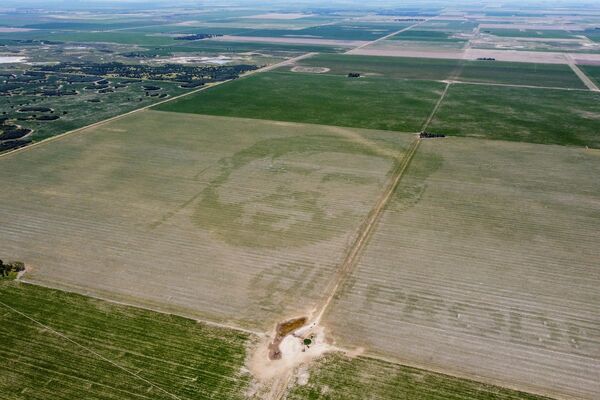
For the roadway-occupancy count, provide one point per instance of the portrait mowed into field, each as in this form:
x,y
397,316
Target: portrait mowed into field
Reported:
x,y
220,218
299,198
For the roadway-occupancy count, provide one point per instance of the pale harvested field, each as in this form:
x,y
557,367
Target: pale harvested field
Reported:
x,y
290,40
230,220
278,16
391,49
487,265
397,48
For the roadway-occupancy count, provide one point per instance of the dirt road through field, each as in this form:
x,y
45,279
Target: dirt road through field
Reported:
x,y
584,78
388,36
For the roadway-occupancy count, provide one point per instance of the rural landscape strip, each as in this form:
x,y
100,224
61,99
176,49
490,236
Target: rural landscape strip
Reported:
x,y
584,78
116,117
148,308
50,329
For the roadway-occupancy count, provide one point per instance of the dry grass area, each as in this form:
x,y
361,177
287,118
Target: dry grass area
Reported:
x,y
231,220
485,265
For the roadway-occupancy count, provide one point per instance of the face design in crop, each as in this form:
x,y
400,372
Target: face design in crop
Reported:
x,y
291,191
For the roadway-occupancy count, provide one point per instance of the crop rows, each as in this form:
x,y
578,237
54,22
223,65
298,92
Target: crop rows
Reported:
x,y
65,346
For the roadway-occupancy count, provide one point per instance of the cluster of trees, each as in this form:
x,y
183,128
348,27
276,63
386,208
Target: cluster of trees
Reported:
x,y
10,135
171,72
196,36
9,269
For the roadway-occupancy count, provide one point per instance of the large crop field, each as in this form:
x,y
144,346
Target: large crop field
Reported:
x,y
226,219
57,345
372,102
520,114
485,263
496,72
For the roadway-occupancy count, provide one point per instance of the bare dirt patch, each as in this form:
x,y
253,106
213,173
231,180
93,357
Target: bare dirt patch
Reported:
x,y
310,70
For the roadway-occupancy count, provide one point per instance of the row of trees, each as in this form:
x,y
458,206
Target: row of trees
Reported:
x,y
171,72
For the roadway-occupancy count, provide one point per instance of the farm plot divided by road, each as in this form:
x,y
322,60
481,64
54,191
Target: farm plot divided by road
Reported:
x,y
485,264
226,219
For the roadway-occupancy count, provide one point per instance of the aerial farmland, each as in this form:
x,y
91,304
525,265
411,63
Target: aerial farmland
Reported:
x,y
319,201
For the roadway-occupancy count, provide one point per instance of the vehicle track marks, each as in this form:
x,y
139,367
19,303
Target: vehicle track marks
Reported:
x,y
366,230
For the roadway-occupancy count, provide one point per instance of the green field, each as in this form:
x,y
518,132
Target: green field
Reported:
x,y
530,33
390,67
516,73
592,71
121,37
551,75
371,102
426,36
463,26
520,114
57,345
338,377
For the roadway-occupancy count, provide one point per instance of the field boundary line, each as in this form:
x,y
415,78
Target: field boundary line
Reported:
x,y
388,36
116,117
90,351
580,74
146,308
515,85
367,228
437,106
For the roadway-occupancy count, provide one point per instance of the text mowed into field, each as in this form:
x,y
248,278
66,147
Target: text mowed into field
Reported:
x,y
227,219
520,114
371,102
534,74
486,264
57,345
